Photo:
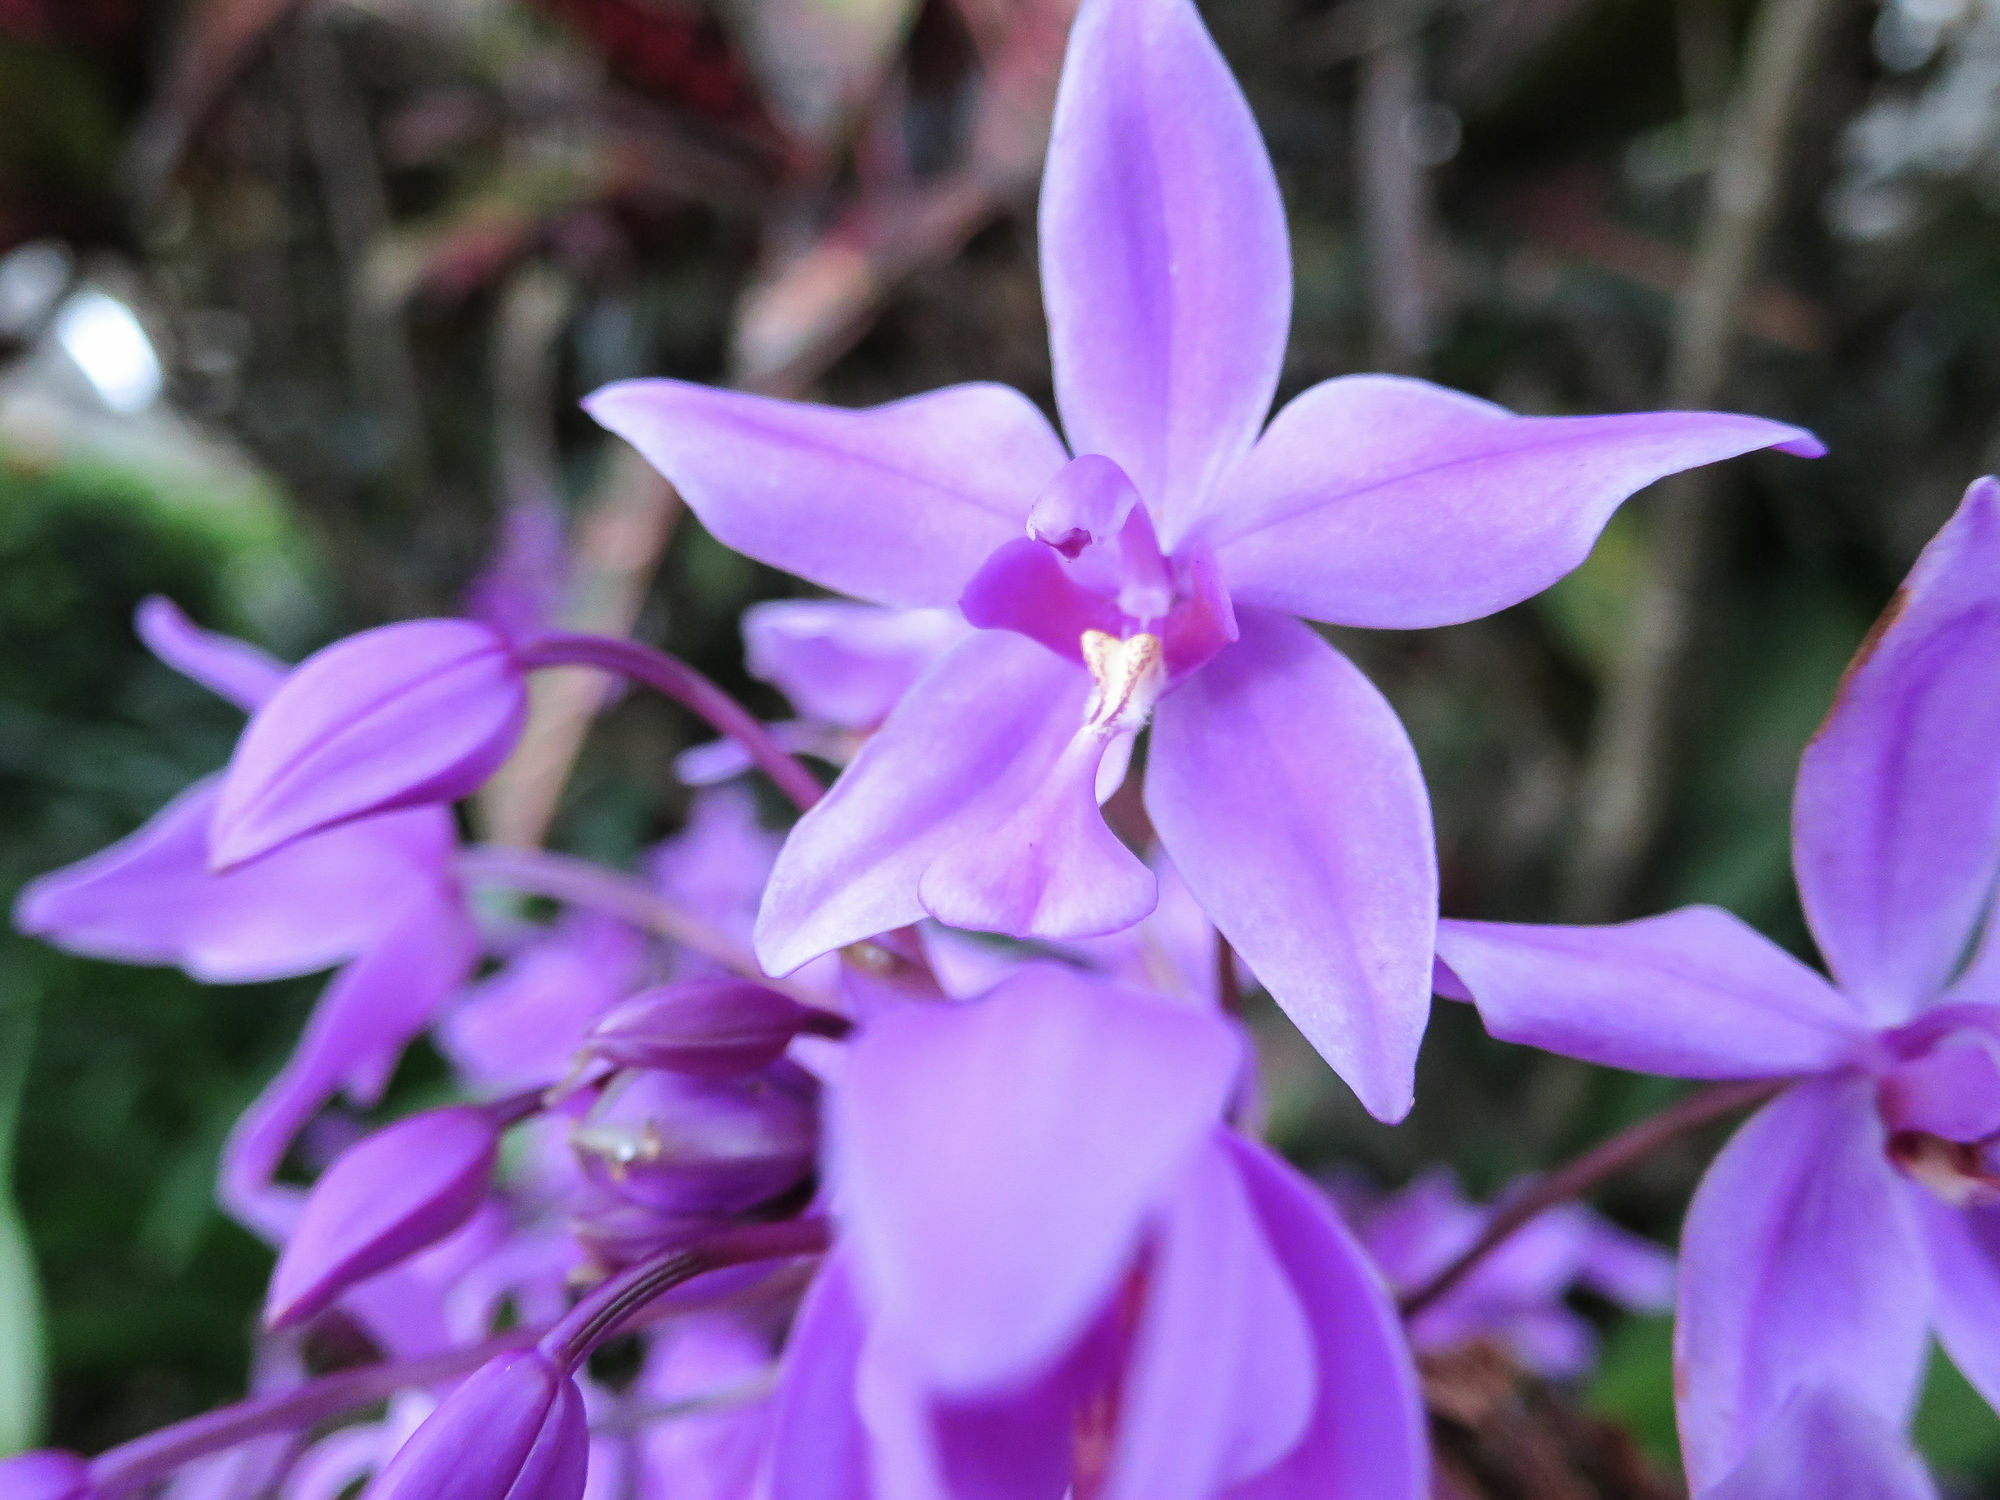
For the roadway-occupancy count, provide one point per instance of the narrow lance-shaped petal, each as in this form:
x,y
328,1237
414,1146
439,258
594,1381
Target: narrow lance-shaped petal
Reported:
x,y
1383,501
1800,1261
227,667
151,898
897,504
1896,818
1071,1103
1964,1250
1696,993
406,714
1166,266
845,663
1288,796
388,1196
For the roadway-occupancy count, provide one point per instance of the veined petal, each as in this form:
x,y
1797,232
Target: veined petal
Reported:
x,y
1048,867
1166,267
1289,798
1072,1104
1367,1435
1896,819
974,738
1800,1263
1696,993
845,663
399,716
898,504
1964,1245
227,667
150,898
1223,1376
1827,1445
1384,501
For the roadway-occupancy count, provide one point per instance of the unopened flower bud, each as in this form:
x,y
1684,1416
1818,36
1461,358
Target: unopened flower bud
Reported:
x,y
708,1028
687,1146
388,1196
44,1474
614,1232
409,714
515,1430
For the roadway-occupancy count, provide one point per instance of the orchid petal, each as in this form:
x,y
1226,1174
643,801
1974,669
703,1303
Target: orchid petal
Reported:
x,y
1047,868
1166,267
227,667
1827,1445
1951,1091
1072,1103
1368,1434
403,715
1388,502
897,504
819,1449
845,663
1896,819
1800,1261
150,898
1696,993
1223,1379
1289,798
1964,1245
972,740
371,1011
1086,503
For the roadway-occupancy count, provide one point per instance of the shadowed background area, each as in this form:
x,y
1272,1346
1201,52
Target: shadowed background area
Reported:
x,y
297,298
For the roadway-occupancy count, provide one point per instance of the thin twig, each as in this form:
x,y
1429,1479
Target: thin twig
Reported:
x,y
1625,783
1588,1170
1395,188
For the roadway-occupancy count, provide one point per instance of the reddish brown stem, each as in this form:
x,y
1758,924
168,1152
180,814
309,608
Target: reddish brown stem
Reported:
x,y
1588,1170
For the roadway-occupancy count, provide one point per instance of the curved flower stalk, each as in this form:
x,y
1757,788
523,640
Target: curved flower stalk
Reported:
x,y
1149,571
1860,1209
842,664
1057,1268
1516,1295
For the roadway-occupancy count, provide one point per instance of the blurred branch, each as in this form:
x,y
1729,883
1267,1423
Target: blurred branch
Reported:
x,y
337,134
215,41
1625,782
1395,199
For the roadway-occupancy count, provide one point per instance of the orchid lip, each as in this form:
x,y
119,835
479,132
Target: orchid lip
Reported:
x,y
1130,675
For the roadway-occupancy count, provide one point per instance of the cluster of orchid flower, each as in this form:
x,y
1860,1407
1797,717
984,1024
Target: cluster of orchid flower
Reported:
x,y
890,1211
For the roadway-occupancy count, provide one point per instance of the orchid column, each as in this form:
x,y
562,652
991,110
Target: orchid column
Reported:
x,y
1149,571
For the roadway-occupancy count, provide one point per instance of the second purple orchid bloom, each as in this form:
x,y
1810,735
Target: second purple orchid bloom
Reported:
x,y
1151,570
1860,1209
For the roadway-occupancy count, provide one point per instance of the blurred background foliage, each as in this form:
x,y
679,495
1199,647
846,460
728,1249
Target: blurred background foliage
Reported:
x,y
298,296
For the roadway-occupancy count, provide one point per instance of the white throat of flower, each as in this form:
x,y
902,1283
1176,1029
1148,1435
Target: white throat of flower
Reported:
x,y
1130,675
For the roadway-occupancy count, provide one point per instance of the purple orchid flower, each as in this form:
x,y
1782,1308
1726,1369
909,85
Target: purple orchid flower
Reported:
x,y
1827,1445
1861,1207
1515,1295
1058,1268
1153,576
843,665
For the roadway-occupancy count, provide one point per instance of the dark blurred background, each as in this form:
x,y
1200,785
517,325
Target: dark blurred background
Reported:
x,y
297,298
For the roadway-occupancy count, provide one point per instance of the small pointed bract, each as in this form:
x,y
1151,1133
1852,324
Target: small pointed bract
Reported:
x,y
388,1196
514,1430
404,715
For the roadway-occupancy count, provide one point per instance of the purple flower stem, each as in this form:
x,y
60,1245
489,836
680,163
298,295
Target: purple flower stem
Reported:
x,y
578,882
1596,1165
148,1459
601,1314
682,683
